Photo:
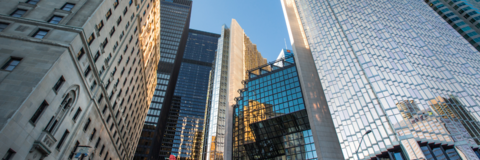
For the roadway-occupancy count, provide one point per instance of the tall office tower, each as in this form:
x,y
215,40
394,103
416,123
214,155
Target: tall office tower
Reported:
x,y
183,136
76,73
235,55
394,68
175,21
462,15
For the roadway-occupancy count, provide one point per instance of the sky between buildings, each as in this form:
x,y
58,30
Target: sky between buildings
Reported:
x,y
262,20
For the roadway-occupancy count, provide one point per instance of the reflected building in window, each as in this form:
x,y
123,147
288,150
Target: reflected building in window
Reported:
x,y
395,68
270,118
235,55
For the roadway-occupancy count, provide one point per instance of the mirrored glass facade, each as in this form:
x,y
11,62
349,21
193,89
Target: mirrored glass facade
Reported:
x,y
395,68
270,119
183,136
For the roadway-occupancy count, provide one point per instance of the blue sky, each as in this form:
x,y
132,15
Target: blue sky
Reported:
x,y
262,21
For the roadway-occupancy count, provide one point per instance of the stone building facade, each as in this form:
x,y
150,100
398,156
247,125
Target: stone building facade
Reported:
x,y
76,73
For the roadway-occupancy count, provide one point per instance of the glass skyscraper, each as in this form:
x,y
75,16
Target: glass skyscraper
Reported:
x,y
395,68
462,15
270,118
183,136
235,55
174,25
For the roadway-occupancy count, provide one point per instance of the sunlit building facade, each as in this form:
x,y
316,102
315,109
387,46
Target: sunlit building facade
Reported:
x,y
270,118
174,25
395,68
76,73
235,55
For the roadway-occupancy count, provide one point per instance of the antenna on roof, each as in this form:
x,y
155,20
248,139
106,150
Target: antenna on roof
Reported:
x,y
285,43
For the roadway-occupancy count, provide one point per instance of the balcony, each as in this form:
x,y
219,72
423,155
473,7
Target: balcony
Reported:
x,y
43,143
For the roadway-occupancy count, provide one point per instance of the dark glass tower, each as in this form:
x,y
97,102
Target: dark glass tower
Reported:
x,y
184,129
174,24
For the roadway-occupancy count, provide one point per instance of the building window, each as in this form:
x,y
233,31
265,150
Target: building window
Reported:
x,y
127,25
130,2
119,20
93,133
80,53
9,155
125,10
72,153
60,143
3,26
101,150
59,84
109,13
40,33
98,142
39,112
106,156
18,13
101,70
93,85
55,19
11,64
90,39
32,1
97,55
126,48
112,31
100,98
115,4
121,35
114,47
87,124
110,55
68,6
77,113
100,25
87,71
105,42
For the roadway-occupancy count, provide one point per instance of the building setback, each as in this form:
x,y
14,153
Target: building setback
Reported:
x,y
394,68
76,73
235,55
175,21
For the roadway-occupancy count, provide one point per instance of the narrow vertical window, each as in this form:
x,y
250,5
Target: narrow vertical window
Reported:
x,y
93,133
112,31
115,4
68,6
39,112
105,42
90,39
77,113
87,71
106,156
100,25
80,53
64,136
40,34
72,153
109,13
101,150
97,55
11,64
94,84
55,19
98,142
9,155
18,13
87,124
100,98
59,84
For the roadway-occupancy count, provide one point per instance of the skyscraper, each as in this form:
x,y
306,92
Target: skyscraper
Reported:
x,y
76,73
183,136
462,15
235,55
175,21
390,67
270,117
